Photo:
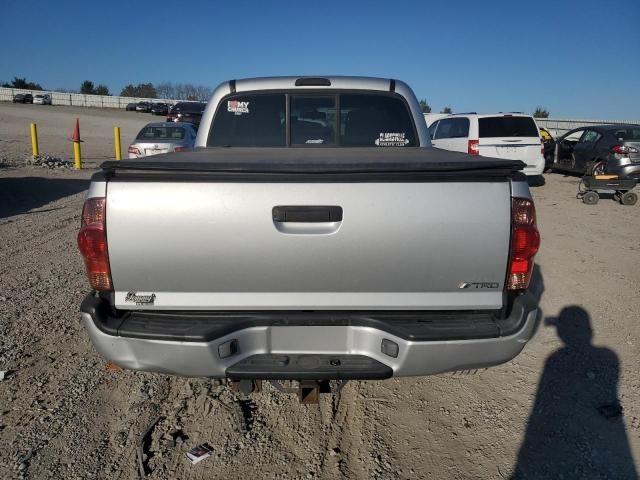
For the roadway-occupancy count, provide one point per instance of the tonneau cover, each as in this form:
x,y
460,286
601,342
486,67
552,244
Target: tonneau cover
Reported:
x,y
319,160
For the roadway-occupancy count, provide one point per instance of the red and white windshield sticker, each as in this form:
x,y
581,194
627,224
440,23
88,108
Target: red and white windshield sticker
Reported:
x,y
237,107
387,139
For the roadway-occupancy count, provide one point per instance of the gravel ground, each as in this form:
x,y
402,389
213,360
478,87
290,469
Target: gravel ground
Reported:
x,y
65,413
55,125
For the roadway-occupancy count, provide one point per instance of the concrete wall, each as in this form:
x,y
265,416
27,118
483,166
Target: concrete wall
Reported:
x,y
80,99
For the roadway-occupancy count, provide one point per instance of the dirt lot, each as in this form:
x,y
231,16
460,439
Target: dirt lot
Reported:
x,y
65,414
55,125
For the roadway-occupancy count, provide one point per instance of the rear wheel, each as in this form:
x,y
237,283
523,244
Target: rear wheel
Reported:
x,y
596,168
629,198
590,198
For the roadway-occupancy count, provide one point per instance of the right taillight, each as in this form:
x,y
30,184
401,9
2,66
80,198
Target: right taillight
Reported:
x,y
525,242
473,147
92,242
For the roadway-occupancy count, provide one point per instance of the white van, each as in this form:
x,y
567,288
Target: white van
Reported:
x,y
514,136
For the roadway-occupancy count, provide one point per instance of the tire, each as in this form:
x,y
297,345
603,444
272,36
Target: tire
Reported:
x,y
596,168
629,198
590,198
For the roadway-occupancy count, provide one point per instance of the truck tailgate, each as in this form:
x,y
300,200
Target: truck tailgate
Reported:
x,y
200,245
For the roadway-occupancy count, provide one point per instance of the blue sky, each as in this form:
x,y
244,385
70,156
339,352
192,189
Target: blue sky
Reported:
x,y
577,58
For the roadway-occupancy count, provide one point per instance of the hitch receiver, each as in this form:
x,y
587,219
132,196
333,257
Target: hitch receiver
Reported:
x,y
308,391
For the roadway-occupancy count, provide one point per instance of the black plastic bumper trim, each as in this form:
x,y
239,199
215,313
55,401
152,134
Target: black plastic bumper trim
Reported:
x,y
194,326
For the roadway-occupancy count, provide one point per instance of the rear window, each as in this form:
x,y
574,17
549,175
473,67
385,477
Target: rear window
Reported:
x,y
161,133
363,120
631,134
452,128
375,120
507,127
250,121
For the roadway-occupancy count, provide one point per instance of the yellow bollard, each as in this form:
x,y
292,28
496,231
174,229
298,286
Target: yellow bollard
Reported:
x,y
34,139
116,140
76,156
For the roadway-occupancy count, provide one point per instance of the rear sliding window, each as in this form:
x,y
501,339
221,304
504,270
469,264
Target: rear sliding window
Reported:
x,y
507,127
314,120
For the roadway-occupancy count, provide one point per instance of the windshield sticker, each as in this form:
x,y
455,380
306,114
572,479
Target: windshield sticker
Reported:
x,y
319,140
236,107
391,140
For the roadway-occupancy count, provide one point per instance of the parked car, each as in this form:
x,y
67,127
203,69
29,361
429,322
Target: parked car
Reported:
x,y
42,99
131,107
159,108
144,107
377,257
157,138
549,145
187,112
23,98
513,136
600,149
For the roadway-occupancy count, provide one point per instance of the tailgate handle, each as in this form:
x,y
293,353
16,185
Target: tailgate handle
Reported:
x,y
306,214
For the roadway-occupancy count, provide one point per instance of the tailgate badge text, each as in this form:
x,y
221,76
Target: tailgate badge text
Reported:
x,y
140,299
473,285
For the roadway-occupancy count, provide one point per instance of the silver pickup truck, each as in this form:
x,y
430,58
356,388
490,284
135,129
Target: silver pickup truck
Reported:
x,y
312,235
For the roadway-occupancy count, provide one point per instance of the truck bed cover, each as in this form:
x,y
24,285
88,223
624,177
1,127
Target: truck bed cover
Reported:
x,y
269,161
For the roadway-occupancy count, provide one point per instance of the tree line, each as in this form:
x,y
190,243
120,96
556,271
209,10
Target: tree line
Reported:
x,y
426,108
540,111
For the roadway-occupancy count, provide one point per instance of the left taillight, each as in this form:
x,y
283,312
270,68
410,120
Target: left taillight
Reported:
x,y
92,242
525,242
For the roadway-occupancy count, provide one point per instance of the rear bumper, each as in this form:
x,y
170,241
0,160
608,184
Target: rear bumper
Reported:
x,y
536,169
208,344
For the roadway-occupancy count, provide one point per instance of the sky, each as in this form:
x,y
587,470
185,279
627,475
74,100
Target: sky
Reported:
x,y
578,59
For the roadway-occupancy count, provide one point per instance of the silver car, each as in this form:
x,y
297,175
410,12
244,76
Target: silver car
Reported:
x,y
162,137
42,99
